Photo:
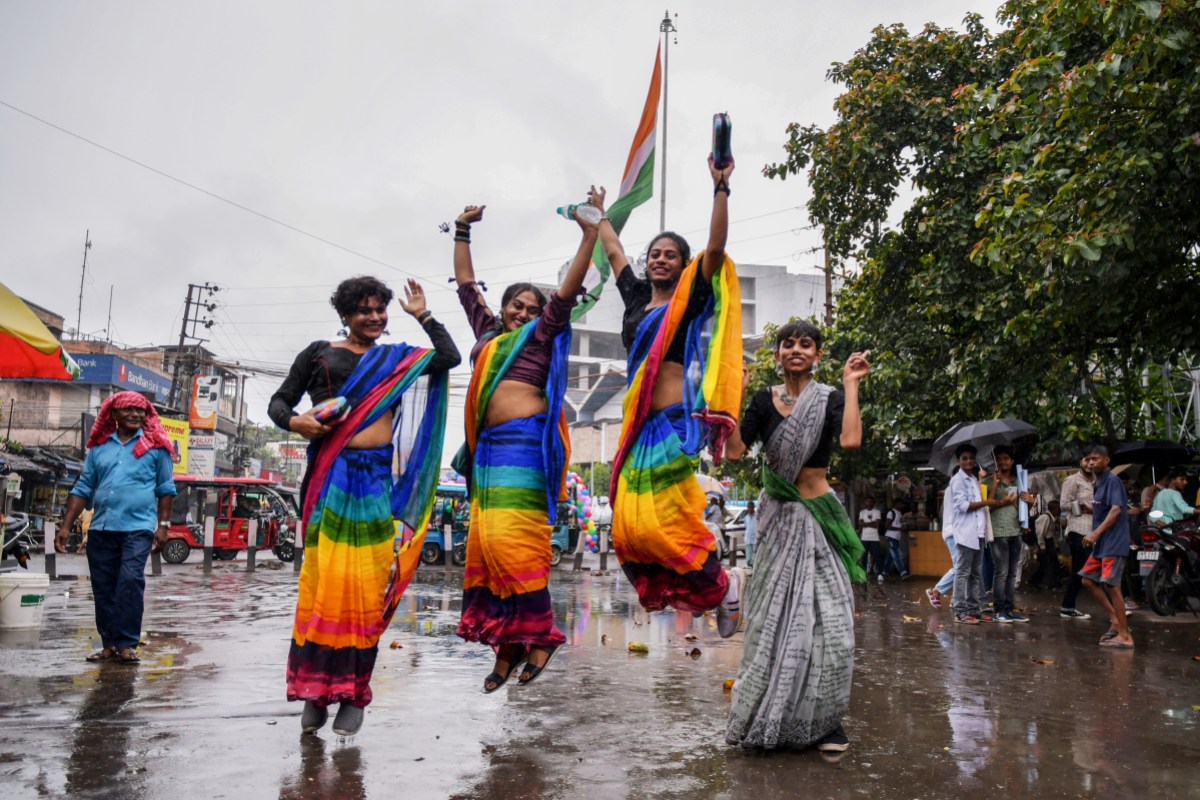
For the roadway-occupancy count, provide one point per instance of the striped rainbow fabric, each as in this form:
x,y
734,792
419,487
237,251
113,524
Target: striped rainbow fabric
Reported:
x,y
714,402
351,582
517,476
658,526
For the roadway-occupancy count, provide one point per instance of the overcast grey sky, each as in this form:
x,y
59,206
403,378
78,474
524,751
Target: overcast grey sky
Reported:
x,y
367,124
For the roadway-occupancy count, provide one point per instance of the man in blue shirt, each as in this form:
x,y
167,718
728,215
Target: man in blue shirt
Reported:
x,y
1109,539
1169,500
126,478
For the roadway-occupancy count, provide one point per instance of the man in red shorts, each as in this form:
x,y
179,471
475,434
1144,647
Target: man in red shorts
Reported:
x,y
1110,547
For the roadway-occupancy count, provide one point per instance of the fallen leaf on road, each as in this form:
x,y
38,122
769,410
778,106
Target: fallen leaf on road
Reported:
x,y
728,685
691,637
907,618
395,645
694,653
604,638
638,647
1046,661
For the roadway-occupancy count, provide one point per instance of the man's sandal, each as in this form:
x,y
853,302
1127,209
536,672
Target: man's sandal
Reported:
x,y
107,654
499,680
128,655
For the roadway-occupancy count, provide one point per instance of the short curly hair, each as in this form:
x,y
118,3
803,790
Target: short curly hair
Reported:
x,y
799,329
351,292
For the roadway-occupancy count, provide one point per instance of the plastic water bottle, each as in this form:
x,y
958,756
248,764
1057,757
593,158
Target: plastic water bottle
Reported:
x,y
584,211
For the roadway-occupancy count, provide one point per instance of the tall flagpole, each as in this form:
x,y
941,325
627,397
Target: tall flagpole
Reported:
x,y
666,27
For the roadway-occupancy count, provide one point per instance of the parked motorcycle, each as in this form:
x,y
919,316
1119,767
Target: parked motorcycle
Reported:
x,y
17,539
1169,558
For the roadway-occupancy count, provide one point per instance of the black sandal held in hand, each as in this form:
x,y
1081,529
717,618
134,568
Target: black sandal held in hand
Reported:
x,y
513,663
532,671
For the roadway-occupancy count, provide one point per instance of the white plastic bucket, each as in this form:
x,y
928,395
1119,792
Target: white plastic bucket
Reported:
x,y
22,596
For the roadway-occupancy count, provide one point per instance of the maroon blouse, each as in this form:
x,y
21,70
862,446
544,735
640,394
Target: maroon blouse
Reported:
x,y
532,364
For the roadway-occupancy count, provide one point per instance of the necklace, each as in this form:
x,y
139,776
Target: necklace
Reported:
x,y
786,398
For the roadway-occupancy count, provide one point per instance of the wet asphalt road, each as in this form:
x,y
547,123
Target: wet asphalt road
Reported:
x,y
938,710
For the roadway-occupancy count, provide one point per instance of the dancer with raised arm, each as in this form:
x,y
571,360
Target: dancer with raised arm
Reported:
x,y
351,582
793,686
515,458
683,392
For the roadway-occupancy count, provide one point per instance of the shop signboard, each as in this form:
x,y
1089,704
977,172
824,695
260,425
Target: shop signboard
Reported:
x,y
206,393
177,431
113,370
202,463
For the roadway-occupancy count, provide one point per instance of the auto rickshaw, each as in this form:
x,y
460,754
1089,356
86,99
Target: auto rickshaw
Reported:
x,y
233,503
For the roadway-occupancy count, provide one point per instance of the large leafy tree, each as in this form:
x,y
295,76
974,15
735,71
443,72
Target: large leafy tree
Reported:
x,y
995,292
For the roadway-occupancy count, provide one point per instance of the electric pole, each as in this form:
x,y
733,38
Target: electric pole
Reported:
x,y
193,310
87,245
828,284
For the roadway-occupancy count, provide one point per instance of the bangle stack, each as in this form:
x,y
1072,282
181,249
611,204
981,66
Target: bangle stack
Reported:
x,y
424,317
462,232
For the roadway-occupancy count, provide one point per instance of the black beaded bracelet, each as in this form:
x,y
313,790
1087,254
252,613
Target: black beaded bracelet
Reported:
x,y
462,237
424,316
721,186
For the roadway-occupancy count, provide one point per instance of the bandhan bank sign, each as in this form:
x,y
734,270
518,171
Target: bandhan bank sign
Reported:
x,y
114,370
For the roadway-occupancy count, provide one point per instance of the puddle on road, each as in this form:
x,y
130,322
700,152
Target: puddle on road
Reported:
x,y
937,709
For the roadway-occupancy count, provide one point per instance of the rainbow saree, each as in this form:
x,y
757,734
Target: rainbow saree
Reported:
x,y
351,582
658,507
517,475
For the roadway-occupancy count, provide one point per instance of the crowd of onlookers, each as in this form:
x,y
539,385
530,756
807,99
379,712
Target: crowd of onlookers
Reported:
x,y
1043,546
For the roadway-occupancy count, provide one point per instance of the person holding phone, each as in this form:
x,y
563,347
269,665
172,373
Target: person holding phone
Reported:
x,y
515,457
683,391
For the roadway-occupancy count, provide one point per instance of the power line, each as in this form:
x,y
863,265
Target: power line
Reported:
x,y
213,195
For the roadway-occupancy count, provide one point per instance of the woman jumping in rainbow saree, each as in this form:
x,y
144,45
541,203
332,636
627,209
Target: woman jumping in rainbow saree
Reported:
x,y
358,482
793,687
684,392
515,458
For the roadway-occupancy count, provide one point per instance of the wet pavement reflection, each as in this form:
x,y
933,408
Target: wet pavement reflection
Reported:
x,y
938,709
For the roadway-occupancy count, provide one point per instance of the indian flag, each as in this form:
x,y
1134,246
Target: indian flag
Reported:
x,y
637,186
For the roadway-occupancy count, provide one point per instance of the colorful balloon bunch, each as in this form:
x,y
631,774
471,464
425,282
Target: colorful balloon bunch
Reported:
x,y
582,502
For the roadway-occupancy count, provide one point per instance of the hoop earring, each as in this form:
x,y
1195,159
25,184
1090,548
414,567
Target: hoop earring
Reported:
x,y
343,331
386,332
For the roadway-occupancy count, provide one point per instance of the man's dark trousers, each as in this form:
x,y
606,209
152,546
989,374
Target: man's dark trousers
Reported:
x,y
117,562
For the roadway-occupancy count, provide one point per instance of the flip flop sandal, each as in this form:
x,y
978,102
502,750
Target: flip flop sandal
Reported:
x,y
1108,635
533,671
1113,644
107,654
500,680
128,655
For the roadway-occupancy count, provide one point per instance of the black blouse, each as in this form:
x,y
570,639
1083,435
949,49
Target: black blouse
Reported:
x,y
637,292
321,369
761,418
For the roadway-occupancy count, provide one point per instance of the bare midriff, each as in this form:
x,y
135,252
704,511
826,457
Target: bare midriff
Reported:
x,y
376,434
668,387
811,482
514,400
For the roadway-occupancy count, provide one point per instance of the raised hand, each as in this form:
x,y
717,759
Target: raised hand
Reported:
x,y
413,301
471,214
596,197
856,367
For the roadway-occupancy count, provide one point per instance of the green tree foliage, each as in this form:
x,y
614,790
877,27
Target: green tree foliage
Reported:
x,y
1048,260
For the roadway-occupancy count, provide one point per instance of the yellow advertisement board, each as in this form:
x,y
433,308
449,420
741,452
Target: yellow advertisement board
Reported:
x,y
178,431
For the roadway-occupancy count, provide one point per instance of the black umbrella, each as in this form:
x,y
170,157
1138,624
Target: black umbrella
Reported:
x,y
1157,452
985,434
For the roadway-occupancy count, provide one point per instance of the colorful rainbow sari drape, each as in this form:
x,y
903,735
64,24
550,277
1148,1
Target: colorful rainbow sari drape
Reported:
x,y
658,525
517,476
351,581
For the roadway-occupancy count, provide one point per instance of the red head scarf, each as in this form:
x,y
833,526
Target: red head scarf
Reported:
x,y
153,434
